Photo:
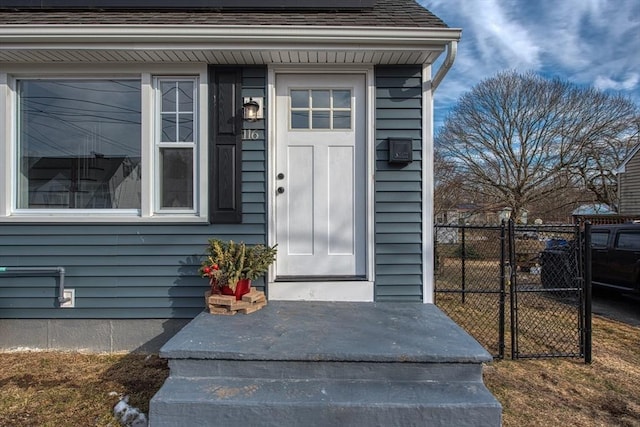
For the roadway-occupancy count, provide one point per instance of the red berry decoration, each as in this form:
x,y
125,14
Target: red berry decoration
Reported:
x,y
206,270
215,267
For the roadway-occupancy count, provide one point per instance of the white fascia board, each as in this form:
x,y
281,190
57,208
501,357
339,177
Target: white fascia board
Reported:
x,y
143,36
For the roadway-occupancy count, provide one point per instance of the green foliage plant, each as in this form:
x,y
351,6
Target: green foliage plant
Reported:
x,y
227,262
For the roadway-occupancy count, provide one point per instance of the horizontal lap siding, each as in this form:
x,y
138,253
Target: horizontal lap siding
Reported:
x,y
398,192
630,187
129,270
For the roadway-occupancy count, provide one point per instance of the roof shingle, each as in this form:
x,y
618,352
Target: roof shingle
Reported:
x,y
386,13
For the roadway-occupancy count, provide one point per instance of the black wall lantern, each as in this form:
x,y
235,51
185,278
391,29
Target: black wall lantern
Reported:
x,y
251,110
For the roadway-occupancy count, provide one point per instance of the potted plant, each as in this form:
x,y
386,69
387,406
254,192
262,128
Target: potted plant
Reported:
x,y
231,266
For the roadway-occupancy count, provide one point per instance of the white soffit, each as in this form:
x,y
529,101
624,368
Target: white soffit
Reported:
x,y
222,45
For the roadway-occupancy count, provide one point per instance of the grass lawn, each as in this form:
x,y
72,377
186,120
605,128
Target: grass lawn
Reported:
x,y
71,389
567,392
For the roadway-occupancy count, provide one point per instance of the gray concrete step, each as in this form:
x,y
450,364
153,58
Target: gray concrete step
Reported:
x,y
328,331
271,369
325,364
224,401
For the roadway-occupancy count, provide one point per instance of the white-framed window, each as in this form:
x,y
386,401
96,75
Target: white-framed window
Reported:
x,y
320,109
78,144
119,147
175,143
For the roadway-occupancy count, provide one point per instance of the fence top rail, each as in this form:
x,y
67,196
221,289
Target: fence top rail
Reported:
x,y
477,227
520,227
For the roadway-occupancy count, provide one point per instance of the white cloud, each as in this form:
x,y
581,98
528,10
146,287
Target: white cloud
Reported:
x,y
629,82
492,33
592,42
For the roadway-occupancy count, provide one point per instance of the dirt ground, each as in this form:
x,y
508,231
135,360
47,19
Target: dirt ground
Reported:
x,y
71,389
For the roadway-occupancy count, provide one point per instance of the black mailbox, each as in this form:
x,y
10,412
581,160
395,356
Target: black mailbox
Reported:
x,y
400,150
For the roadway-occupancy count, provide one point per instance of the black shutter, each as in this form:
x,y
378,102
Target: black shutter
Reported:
x,y
225,145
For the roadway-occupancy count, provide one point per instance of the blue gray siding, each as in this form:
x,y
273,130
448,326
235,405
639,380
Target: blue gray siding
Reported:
x,y
151,270
398,189
129,270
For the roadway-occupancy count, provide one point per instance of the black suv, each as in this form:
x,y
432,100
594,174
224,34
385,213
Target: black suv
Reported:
x,y
615,257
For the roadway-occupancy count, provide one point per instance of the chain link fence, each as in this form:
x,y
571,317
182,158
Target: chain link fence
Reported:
x,y
470,280
519,290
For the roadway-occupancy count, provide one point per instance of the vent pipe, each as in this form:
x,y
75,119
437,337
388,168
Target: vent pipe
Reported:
x,y
41,270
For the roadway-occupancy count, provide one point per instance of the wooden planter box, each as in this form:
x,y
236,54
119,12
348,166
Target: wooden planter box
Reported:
x,y
229,305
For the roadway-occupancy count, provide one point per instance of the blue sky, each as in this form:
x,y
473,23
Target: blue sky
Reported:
x,y
587,42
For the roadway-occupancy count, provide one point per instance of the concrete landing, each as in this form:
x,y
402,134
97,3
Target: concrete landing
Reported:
x,y
325,363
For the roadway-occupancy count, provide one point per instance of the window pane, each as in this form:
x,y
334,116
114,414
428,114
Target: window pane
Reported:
x,y
169,128
321,120
341,99
299,99
599,239
321,98
629,240
342,119
176,178
299,120
79,144
186,127
185,97
168,96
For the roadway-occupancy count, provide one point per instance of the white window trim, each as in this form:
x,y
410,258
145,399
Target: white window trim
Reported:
x,y
8,134
158,145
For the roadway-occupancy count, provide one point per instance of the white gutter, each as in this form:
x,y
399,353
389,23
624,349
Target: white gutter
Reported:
x,y
452,51
162,34
428,259
422,45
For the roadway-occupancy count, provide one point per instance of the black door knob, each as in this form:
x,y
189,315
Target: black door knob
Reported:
x,y
280,190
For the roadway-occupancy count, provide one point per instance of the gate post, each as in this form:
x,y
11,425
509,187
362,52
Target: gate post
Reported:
x,y
436,263
512,289
464,270
587,292
501,318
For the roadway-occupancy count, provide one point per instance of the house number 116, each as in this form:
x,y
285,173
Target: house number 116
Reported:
x,y
250,134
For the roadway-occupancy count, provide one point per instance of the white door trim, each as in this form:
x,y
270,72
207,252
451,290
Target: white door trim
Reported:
x,y
323,291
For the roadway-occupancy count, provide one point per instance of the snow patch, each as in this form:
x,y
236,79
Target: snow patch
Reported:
x,y
128,415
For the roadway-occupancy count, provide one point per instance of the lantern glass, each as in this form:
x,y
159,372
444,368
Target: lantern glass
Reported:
x,y
251,110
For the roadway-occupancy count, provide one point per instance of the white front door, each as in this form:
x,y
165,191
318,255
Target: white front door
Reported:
x,y
320,200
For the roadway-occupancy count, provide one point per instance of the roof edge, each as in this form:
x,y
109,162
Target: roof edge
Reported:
x,y
129,34
623,166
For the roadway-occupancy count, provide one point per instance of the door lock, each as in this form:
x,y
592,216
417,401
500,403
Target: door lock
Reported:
x,y
280,175
280,190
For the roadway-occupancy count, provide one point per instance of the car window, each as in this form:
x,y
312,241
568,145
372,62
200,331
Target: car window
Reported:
x,y
628,240
599,238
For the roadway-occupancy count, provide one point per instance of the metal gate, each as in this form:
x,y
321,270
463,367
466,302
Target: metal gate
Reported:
x,y
517,289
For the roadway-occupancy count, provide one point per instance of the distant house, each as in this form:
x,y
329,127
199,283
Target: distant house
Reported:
x,y
505,214
124,147
593,209
629,184
467,214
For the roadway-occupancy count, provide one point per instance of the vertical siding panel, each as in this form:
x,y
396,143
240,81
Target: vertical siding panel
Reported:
x,y
130,270
398,225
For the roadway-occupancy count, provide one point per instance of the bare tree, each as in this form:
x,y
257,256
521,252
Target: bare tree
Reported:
x,y
609,142
448,184
519,138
